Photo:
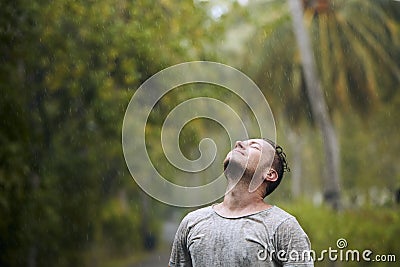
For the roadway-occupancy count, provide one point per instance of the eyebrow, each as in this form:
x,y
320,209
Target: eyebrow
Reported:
x,y
255,142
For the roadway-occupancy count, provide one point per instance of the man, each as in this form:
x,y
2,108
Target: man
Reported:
x,y
244,230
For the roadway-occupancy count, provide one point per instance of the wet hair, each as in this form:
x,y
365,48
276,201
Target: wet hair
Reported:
x,y
279,164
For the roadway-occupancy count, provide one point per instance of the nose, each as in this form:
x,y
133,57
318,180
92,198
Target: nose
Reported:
x,y
239,144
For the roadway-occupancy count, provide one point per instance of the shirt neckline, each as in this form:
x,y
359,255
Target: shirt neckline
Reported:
x,y
241,216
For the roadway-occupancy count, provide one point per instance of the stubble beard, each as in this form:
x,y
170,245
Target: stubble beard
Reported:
x,y
235,171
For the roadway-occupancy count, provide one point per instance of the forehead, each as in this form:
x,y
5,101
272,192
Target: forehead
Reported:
x,y
261,142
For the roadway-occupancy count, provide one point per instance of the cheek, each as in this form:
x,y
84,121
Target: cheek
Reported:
x,y
254,159
258,160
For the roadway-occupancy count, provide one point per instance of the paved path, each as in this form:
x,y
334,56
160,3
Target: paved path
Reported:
x,y
158,259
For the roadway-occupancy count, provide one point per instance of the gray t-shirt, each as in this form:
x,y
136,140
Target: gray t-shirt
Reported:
x,y
270,237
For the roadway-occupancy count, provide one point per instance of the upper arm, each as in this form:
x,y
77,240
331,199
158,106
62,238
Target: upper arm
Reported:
x,y
292,239
180,255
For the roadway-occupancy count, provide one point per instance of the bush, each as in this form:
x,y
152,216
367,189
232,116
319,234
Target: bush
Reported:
x,y
375,229
121,230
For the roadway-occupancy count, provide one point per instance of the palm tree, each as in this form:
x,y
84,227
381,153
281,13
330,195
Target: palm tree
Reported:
x,y
318,106
355,45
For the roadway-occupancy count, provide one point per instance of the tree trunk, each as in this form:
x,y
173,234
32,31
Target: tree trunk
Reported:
x,y
148,236
296,167
318,107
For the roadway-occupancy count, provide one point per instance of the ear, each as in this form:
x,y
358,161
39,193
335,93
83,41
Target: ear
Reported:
x,y
271,176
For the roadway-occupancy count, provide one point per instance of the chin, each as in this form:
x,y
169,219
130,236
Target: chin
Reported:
x,y
233,168
226,162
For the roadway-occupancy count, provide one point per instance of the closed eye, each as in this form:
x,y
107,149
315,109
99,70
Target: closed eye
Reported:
x,y
256,146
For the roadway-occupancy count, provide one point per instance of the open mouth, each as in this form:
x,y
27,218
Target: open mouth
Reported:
x,y
226,162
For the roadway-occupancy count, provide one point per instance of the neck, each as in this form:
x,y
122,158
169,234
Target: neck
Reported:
x,y
238,201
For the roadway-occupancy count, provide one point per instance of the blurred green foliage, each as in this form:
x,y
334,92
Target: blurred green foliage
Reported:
x,y
366,228
66,75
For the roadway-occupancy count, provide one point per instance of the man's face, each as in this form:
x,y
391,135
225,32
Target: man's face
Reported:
x,y
252,157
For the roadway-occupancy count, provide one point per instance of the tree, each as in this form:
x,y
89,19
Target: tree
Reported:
x,y
66,71
355,58
318,107
356,46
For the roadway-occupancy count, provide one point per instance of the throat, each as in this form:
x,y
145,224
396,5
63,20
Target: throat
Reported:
x,y
240,202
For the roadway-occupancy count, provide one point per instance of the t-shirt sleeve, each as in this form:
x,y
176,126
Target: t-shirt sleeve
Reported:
x,y
293,244
180,256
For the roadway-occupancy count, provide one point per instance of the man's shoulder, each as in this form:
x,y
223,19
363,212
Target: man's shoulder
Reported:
x,y
286,222
199,214
279,214
276,217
